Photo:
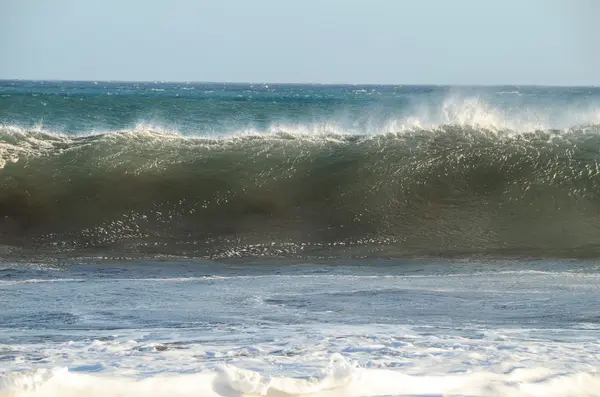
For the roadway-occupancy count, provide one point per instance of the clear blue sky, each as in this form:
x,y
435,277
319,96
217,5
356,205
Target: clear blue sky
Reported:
x,y
554,42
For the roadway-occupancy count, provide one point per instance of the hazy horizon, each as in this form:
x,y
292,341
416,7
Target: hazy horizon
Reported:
x,y
292,83
466,43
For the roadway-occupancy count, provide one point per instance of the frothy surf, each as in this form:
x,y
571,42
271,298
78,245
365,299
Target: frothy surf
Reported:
x,y
339,379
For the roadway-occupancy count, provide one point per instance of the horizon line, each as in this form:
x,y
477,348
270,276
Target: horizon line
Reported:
x,y
239,82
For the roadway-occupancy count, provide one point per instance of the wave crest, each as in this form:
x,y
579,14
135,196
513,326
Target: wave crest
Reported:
x,y
452,189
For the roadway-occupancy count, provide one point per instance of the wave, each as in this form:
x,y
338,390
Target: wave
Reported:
x,y
304,191
340,379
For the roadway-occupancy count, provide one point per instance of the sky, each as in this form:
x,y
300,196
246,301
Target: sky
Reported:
x,y
540,42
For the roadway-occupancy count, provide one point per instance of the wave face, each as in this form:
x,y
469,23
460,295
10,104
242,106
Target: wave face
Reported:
x,y
448,190
474,184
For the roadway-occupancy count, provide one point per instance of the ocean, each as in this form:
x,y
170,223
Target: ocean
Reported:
x,y
225,239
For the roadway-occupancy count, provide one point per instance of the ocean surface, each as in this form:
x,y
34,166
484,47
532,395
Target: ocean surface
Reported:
x,y
218,239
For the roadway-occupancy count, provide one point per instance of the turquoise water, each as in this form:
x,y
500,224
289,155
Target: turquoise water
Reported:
x,y
220,108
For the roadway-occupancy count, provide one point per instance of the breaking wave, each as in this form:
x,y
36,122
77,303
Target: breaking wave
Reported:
x,y
305,191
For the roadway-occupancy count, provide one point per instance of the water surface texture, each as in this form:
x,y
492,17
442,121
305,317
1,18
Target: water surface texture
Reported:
x,y
162,239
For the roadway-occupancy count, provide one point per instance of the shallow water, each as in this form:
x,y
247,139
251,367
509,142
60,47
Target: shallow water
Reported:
x,y
358,328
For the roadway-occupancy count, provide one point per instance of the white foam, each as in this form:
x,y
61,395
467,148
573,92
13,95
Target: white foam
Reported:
x,y
339,379
17,142
503,359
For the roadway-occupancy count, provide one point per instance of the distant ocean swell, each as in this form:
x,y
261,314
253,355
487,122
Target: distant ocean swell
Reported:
x,y
442,190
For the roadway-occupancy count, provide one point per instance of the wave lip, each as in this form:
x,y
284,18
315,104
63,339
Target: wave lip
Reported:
x,y
446,190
